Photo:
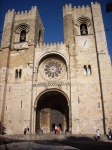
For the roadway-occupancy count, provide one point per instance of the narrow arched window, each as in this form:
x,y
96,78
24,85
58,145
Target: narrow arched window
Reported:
x,y
83,29
23,36
85,70
89,69
39,36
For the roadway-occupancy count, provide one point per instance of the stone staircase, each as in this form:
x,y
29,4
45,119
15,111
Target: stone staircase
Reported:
x,y
52,136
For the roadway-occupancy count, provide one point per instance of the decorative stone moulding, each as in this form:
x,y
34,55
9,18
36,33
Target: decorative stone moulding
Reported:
x,y
22,26
84,20
51,84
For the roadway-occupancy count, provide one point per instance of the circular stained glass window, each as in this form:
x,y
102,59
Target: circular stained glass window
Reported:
x,y
52,69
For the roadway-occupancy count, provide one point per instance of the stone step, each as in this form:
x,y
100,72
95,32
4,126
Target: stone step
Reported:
x,y
53,136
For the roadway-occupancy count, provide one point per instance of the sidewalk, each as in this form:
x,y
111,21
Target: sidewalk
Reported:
x,y
36,146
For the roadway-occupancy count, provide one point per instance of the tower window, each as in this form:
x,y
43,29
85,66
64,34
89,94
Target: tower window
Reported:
x,y
18,73
22,32
23,36
87,70
83,29
39,36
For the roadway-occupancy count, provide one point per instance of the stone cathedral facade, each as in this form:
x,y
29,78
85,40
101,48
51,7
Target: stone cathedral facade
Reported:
x,y
66,84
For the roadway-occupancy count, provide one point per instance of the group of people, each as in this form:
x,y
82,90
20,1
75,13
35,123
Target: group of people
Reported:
x,y
26,130
109,134
57,129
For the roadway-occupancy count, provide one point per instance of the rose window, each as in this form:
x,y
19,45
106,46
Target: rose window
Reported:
x,y
53,69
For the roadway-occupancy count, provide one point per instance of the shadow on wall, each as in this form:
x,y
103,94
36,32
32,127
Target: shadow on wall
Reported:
x,y
2,129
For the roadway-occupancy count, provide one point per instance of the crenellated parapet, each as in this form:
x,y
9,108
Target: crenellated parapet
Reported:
x,y
10,11
7,29
54,45
97,6
21,15
81,8
51,47
67,9
9,15
95,3
33,13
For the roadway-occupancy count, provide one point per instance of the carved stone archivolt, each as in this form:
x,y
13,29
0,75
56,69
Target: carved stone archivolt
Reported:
x,y
83,20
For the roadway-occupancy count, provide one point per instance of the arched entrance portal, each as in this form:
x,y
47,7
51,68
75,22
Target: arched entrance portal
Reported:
x,y
52,109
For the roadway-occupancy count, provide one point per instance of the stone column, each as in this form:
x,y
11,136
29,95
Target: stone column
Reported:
x,y
70,117
34,120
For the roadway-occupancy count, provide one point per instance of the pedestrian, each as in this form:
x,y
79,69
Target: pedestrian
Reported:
x,y
42,130
98,134
70,130
24,130
28,130
109,134
56,129
59,130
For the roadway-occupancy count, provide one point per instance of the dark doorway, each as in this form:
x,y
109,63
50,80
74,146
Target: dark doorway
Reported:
x,y
53,127
52,109
56,119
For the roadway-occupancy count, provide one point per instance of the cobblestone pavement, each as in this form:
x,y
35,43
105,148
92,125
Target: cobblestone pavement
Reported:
x,y
35,146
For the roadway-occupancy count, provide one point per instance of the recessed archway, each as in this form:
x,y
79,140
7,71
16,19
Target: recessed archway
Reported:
x,y
52,109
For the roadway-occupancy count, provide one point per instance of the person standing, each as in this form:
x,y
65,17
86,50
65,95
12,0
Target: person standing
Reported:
x,y
109,134
98,134
28,130
24,130
70,130
59,130
56,129
42,130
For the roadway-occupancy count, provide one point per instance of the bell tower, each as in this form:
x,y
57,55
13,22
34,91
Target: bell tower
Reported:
x,y
22,29
84,36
